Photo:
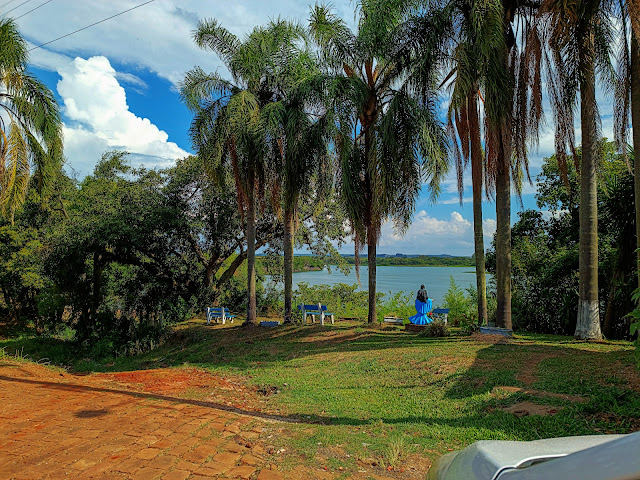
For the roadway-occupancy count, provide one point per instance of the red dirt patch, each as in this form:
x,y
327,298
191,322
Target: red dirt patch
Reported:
x,y
522,409
489,338
539,393
529,375
191,383
632,424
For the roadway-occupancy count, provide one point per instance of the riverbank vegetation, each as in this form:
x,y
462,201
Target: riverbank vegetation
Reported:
x,y
311,263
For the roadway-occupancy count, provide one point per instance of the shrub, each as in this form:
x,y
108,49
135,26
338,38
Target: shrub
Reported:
x,y
457,303
469,323
437,328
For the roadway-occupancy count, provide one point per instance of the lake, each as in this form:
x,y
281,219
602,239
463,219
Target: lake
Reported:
x,y
396,279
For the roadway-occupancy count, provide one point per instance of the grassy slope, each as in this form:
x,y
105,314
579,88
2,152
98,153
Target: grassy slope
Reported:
x,y
383,394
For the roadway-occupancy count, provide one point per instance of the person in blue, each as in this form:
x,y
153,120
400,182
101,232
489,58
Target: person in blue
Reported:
x,y
423,306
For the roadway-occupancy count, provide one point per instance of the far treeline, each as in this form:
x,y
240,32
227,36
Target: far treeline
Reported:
x,y
309,263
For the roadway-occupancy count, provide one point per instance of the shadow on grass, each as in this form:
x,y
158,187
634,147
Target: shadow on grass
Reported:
x,y
235,346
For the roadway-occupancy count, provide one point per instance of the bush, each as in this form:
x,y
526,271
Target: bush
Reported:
x,y
457,302
437,328
469,323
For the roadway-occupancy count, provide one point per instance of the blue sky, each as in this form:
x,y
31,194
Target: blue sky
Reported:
x,y
117,85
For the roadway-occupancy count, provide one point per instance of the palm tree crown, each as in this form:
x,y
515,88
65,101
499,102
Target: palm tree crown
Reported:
x,y
389,137
30,127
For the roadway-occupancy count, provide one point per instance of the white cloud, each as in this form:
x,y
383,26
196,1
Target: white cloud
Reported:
x,y
488,230
430,235
157,36
456,200
99,119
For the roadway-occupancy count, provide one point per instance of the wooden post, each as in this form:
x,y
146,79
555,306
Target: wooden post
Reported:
x,y
321,314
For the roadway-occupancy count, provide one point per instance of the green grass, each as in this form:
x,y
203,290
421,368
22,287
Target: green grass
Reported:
x,y
383,395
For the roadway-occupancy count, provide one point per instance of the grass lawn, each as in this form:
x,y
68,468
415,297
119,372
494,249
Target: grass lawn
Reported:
x,y
359,397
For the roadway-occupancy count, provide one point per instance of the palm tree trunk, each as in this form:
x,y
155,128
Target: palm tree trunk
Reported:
x,y
635,122
476,180
503,240
251,250
588,324
288,262
371,262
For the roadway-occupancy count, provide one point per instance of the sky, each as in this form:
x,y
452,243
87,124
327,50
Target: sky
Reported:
x,y
117,84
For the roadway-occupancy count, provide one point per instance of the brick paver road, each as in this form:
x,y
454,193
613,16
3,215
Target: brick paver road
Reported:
x,y
55,425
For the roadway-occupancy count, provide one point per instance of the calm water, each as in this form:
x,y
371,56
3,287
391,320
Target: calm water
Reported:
x,y
396,279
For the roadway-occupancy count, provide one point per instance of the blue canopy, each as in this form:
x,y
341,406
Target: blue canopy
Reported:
x,y
422,308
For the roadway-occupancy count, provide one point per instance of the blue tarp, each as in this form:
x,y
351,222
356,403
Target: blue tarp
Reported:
x,y
422,308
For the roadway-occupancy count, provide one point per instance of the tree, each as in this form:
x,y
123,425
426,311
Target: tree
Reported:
x,y
627,100
300,128
30,125
389,138
228,126
579,36
475,40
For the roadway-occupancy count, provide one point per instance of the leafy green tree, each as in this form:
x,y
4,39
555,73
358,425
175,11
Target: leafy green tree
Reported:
x,y
579,36
383,94
21,276
30,128
546,249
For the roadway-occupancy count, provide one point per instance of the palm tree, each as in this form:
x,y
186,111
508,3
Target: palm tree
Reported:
x,y
513,111
579,36
300,128
627,101
475,40
30,125
228,127
388,137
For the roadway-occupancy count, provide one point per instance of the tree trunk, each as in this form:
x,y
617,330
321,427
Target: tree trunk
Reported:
x,y
371,262
476,179
251,251
503,239
588,324
97,286
635,122
288,262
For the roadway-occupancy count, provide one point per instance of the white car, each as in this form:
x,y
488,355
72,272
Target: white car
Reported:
x,y
593,457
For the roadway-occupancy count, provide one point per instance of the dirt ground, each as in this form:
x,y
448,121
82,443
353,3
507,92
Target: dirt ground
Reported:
x,y
169,424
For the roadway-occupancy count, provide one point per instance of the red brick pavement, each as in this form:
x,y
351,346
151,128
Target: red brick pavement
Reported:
x,y
55,425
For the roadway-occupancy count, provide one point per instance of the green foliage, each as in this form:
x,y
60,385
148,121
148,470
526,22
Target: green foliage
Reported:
x,y
399,304
545,250
21,275
435,329
457,302
31,127
342,299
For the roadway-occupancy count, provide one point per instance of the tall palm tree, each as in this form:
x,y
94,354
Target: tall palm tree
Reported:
x,y
228,127
300,127
627,101
513,111
388,137
477,36
30,125
580,36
